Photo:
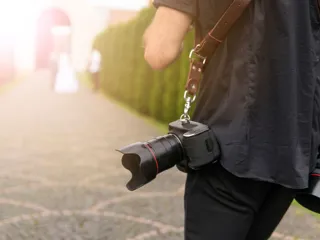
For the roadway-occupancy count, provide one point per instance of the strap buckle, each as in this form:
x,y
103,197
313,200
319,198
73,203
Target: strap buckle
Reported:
x,y
194,56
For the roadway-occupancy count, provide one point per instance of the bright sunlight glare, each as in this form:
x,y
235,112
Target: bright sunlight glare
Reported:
x,y
17,29
15,17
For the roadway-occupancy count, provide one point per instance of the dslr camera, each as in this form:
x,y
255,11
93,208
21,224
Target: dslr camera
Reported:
x,y
188,145
310,197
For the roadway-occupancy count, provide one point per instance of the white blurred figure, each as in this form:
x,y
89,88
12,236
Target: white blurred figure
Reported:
x,y
94,68
66,80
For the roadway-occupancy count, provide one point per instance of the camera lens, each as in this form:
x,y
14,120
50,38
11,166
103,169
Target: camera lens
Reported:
x,y
146,160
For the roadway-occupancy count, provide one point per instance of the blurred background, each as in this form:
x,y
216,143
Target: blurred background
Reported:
x,y
26,27
74,87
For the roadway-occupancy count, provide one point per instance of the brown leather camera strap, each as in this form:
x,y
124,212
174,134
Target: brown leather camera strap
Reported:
x,y
205,48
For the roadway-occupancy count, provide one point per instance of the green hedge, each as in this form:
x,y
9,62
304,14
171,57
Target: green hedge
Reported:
x,y
128,78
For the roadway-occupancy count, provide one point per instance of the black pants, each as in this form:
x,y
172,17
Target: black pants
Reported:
x,y
53,74
96,80
221,206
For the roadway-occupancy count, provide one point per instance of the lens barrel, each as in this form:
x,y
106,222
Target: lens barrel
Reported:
x,y
146,160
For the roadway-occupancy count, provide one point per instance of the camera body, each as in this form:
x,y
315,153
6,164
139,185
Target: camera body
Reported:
x,y
310,197
200,146
188,145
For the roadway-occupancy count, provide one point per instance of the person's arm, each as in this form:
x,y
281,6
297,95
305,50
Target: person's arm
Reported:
x,y
164,37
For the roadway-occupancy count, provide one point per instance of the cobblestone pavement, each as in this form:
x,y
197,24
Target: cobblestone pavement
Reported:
x,y
60,177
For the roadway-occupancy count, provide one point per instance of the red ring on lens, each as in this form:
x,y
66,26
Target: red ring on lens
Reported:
x,y
153,155
315,174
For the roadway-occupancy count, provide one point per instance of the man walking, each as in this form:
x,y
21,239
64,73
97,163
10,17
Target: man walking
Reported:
x,y
260,93
94,68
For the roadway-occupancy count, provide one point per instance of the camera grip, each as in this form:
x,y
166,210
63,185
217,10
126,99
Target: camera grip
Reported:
x,y
201,149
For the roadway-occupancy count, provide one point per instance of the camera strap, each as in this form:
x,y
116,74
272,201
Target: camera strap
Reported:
x,y
205,48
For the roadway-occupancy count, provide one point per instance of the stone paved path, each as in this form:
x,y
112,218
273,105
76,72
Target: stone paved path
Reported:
x,y
60,177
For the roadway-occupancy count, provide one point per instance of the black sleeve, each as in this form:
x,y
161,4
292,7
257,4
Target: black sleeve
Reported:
x,y
186,6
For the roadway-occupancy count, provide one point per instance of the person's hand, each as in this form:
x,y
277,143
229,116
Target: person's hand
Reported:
x,y
163,39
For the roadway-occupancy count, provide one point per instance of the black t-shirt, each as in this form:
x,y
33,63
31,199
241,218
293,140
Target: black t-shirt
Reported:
x,y
261,90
